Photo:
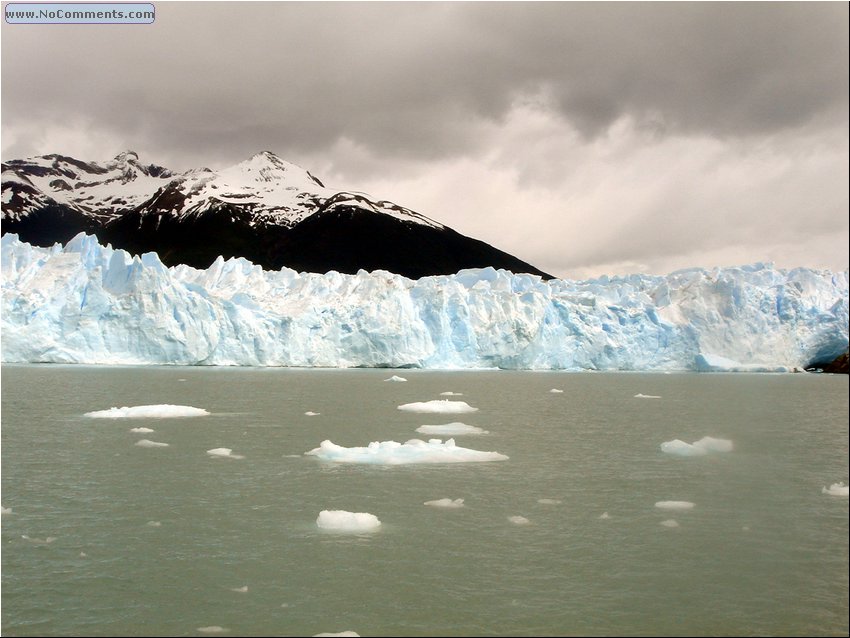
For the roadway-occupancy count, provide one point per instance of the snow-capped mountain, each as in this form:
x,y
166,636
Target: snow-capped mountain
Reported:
x,y
265,209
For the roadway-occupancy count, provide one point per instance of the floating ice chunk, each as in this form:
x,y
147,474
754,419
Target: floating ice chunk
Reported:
x,y
674,505
83,554
351,634
450,429
240,590
605,516
519,520
161,411
312,413
441,406
837,489
548,501
142,430
213,629
153,524
224,453
342,521
446,503
396,379
394,453
5,510
698,448
149,443
451,394
181,379
669,523
39,541
646,396
556,391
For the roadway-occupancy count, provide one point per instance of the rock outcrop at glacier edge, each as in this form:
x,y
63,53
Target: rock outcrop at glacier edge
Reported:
x,y
86,303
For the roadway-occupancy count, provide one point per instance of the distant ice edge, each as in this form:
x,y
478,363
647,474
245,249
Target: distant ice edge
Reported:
x,y
86,303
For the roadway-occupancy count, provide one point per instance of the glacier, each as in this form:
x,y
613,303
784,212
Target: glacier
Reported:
x,y
90,304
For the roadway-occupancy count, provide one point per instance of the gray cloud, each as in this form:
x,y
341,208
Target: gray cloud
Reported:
x,y
583,137
415,80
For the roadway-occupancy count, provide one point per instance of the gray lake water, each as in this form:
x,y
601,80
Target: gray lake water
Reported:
x,y
762,552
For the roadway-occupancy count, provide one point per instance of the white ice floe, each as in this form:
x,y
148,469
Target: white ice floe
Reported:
x,y
669,523
342,521
5,510
153,524
240,590
519,520
439,406
342,634
698,448
394,453
161,411
556,391
446,503
39,541
450,429
451,394
213,629
149,443
604,516
837,489
548,501
224,453
674,505
396,379
142,430
646,396
308,413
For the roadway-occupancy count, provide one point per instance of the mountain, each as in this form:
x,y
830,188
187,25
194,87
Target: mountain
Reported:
x,y
86,303
265,209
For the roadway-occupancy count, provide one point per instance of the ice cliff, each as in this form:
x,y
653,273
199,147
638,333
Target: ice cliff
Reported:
x,y
86,303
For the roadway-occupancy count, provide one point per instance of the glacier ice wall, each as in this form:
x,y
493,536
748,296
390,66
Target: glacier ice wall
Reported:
x,y
86,303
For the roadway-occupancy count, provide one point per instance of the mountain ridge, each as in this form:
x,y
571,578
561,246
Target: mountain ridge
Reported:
x,y
266,209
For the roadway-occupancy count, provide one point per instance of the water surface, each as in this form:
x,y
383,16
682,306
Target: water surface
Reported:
x,y
762,552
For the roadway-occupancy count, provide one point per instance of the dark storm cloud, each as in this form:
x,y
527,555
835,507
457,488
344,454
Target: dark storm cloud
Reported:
x,y
215,82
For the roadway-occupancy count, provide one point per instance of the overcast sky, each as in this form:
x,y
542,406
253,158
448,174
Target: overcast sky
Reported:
x,y
587,139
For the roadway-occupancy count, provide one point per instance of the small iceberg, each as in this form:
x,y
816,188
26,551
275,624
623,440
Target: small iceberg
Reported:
x,y
446,503
519,520
698,448
451,394
604,516
213,629
342,634
224,453
669,523
450,429
142,430
312,413
836,489
646,396
240,590
342,521
438,406
548,501
161,411
153,524
674,505
556,391
396,379
149,443
39,541
5,510
394,453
